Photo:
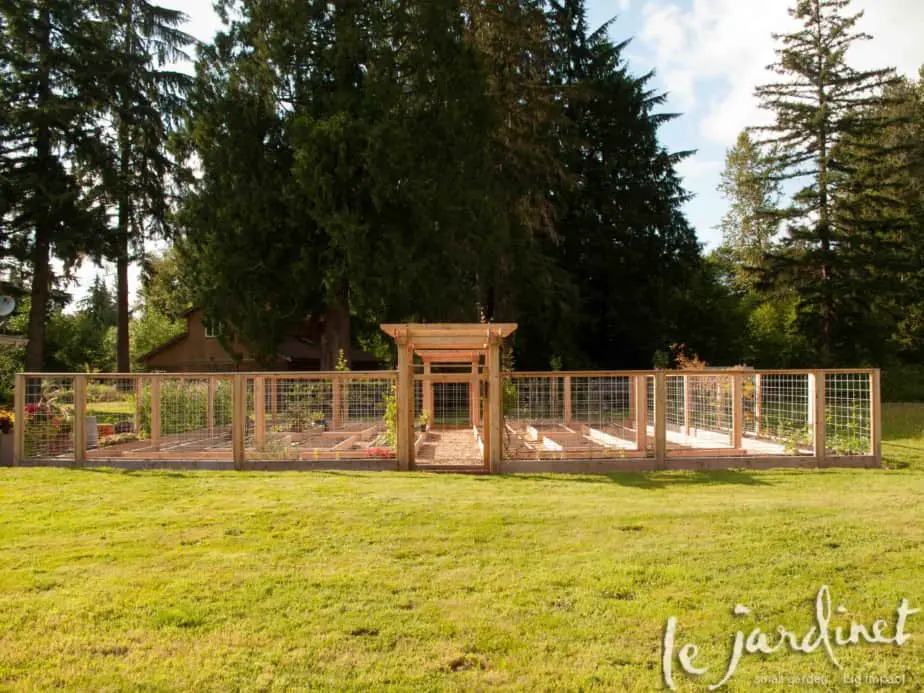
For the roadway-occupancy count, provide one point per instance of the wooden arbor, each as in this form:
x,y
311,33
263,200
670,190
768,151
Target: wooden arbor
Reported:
x,y
458,343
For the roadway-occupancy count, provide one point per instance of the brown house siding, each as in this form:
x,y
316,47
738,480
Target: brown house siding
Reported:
x,y
192,351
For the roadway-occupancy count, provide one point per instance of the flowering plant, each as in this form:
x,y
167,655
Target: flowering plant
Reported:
x,y
6,421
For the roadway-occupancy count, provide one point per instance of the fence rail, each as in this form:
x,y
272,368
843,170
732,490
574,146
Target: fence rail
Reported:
x,y
557,420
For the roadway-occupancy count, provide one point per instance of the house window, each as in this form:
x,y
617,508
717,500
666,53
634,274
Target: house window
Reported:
x,y
212,328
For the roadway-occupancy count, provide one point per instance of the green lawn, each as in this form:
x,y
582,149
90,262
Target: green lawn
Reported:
x,y
260,581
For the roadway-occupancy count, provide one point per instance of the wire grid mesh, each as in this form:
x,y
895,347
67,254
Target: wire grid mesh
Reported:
x,y
604,403
333,417
418,399
48,426
195,414
778,411
848,420
699,411
114,411
569,417
451,404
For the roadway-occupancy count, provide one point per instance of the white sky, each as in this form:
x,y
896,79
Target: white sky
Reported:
x,y
708,55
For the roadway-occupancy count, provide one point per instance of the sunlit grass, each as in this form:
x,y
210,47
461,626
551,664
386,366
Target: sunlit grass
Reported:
x,y
341,581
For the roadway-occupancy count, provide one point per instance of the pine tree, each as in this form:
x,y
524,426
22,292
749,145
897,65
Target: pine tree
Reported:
x,y
749,225
51,53
145,98
820,101
623,240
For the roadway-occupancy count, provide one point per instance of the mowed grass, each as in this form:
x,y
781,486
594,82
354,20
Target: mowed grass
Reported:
x,y
347,581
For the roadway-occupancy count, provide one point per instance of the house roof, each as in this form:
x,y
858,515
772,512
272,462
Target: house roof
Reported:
x,y
166,345
292,348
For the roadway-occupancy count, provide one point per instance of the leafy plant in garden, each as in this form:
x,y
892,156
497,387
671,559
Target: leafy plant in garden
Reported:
x,y
390,400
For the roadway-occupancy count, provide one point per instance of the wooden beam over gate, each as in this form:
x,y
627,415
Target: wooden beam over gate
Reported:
x,y
462,343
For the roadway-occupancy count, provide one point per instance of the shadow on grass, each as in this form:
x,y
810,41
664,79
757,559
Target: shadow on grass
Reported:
x,y
651,480
165,473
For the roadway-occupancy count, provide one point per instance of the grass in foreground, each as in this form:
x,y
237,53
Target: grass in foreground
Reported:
x,y
257,581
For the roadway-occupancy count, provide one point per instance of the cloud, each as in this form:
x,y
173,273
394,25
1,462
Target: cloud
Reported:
x,y
711,54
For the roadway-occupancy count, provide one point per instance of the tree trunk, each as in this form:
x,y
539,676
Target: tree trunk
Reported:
x,y
336,333
41,251
123,364
123,360
41,282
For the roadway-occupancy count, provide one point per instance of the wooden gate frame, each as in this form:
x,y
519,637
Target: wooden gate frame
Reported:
x,y
460,343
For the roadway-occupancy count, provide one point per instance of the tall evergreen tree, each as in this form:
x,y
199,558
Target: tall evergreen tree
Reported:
x,y
624,241
51,55
354,132
820,101
749,225
145,98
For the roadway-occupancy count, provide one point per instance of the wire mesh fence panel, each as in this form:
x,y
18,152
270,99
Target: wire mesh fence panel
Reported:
x,y
569,417
114,414
451,404
848,428
194,413
699,412
321,417
782,421
604,408
49,418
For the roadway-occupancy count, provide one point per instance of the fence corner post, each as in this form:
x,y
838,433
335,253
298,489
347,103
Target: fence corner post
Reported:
x,y
660,419
875,408
80,418
19,419
820,420
238,419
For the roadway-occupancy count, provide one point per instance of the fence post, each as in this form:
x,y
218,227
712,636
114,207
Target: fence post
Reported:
x,y
686,405
80,418
660,419
474,394
757,407
427,394
875,408
259,412
737,410
155,413
238,419
404,396
641,412
19,423
495,405
818,396
567,400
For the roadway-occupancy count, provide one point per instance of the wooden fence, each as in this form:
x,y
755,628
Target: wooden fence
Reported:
x,y
578,421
